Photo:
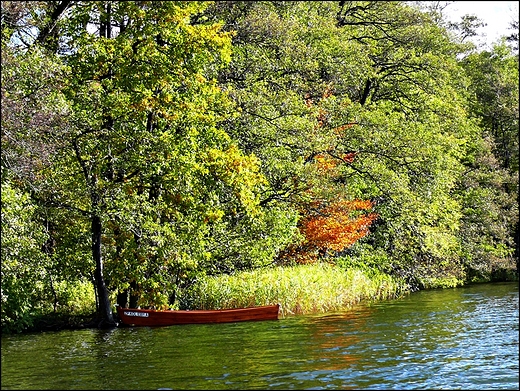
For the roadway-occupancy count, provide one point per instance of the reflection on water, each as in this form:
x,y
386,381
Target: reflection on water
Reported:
x,y
464,338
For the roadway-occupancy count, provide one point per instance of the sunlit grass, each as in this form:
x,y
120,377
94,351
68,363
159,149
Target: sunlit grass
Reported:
x,y
301,289
441,282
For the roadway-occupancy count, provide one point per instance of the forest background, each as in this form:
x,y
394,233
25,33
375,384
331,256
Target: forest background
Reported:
x,y
220,154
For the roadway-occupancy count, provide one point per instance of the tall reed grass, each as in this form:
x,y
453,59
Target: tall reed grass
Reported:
x,y
301,289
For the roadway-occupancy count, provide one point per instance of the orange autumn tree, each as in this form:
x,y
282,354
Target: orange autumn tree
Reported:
x,y
335,226
331,226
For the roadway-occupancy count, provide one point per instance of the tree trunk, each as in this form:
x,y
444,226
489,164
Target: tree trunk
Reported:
x,y
104,310
48,35
366,92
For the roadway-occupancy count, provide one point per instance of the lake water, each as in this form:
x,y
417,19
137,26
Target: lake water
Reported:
x,y
463,338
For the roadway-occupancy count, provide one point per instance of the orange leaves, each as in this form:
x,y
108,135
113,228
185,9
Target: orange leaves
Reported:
x,y
336,232
332,228
349,157
327,163
341,129
321,114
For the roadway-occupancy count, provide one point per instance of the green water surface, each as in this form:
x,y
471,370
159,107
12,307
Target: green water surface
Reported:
x,y
463,338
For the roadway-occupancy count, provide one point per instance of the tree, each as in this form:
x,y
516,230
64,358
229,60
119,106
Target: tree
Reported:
x,y
23,265
33,113
141,164
494,83
376,79
489,215
286,55
492,167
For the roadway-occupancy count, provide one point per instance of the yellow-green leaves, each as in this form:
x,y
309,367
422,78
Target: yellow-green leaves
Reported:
x,y
241,173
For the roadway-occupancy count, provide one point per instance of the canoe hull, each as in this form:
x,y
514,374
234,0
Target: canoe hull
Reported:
x,y
152,318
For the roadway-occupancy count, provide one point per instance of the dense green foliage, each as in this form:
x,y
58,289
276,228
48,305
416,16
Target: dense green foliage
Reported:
x,y
151,147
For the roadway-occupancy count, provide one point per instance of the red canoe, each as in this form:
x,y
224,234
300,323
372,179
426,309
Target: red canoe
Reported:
x,y
143,317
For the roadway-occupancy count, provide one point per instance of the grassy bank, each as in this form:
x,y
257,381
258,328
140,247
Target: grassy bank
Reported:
x,y
301,289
